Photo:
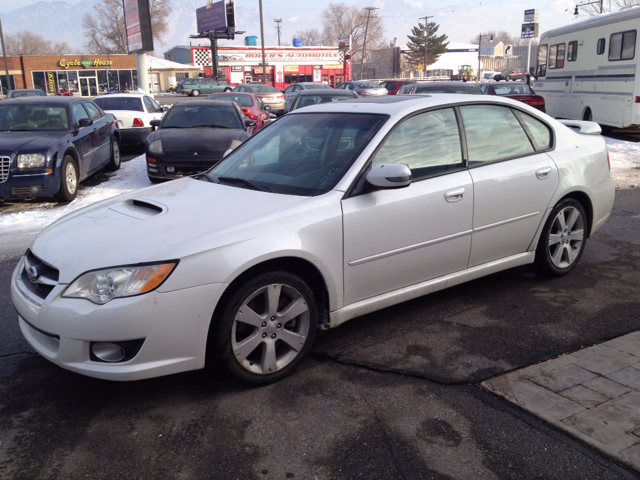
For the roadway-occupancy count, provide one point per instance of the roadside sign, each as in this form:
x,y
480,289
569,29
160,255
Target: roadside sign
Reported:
x,y
419,67
531,15
344,43
529,30
212,16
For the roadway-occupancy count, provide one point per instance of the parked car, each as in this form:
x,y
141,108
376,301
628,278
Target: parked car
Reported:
x,y
393,86
26,92
509,74
268,94
364,88
50,144
441,87
196,86
292,90
193,136
332,212
134,112
306,98
251,106
516,91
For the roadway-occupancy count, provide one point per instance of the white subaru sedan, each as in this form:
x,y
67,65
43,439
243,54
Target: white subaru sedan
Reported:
x,y
332,212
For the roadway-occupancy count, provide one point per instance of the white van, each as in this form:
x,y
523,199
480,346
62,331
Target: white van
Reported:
x,y
589,70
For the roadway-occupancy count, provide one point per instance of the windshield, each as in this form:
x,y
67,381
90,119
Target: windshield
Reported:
x,y
119,103
435,88
32,93
33,118
512,90
191,116
367,85
306,100
241,100
303,154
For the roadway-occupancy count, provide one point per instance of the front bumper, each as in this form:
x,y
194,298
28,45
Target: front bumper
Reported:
x,y
29,185
173,326
134,135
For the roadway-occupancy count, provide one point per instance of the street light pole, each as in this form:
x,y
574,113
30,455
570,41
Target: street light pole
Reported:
x,y
364,44
278,22
600,2
264,62
426,38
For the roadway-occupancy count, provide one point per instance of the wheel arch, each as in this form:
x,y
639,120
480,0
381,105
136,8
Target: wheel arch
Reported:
x,y
585,201
583,114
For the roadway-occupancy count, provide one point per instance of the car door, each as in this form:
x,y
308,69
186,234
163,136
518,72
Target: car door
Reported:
x,y
400,237
103,141
153,108
513,179
84,139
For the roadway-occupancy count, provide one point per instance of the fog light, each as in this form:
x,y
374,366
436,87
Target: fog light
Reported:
x,y
33,189
108,352
171,169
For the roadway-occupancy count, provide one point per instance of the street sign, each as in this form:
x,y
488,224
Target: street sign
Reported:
x,y
531,15
137,21
529,30
344,43
419,67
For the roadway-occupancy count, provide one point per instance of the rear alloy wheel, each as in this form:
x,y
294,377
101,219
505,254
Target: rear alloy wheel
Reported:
x,y
267,328
114,161
563,239
227,89
195,93
68,188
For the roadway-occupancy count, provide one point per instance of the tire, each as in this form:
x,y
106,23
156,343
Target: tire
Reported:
x,y
268,343
115,158
68,188
563,239
227,89
507,78
195,93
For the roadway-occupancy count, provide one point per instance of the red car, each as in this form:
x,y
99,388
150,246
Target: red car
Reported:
x,y
250,104
515,90
393,86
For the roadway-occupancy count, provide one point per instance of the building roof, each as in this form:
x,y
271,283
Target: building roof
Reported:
x,y
155,63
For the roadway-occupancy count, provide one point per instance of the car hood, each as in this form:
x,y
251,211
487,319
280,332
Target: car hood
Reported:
x,y
32,141
158,223
201,140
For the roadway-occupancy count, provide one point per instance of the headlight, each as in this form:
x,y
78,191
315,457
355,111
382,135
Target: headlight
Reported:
x,y
31,160
155,146
101,286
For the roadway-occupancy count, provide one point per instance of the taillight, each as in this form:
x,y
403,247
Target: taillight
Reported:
x,y
137,122
360,93
249,115
280,96
115,124
637,99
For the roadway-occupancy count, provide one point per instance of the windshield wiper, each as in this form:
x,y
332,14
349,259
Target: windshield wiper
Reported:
x,y
242,183
202,176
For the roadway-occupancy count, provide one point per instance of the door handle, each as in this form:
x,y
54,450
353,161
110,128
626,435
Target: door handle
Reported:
x,y
543,173
454,195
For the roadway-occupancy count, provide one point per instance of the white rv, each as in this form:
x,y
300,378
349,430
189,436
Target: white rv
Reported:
x,y
589,70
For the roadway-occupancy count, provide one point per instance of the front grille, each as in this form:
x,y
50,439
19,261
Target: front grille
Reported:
x,y
5,164
27,190
37,276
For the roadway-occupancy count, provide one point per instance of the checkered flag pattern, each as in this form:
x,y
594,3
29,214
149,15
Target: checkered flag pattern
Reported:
x,y
202,57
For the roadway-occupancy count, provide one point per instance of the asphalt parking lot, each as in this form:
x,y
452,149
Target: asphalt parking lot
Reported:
x,y
394,394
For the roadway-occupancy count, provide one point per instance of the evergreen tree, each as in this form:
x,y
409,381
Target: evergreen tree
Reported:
x,y
436,45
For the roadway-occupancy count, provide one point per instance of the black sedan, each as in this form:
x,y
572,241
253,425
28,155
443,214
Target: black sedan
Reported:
x,y
50,144
193,136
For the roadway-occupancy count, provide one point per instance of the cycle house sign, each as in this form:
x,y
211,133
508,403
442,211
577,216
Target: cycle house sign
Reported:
x,y
137,21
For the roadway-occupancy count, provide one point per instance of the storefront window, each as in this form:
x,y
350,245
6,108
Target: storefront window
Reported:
x,y
87,73
102,81
62,82
39,81
73,81
125,80
3,81
112,78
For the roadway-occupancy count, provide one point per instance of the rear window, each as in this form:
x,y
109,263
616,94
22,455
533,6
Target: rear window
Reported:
x,y
119,103
435,88
512,90
262,89
307,100
241,100
367,85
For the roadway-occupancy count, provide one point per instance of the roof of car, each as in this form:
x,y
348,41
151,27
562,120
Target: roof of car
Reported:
x,y
323,91
49,100
125,95
26,90
204,101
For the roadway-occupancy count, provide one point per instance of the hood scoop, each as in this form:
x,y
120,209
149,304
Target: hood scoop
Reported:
x,y
139,208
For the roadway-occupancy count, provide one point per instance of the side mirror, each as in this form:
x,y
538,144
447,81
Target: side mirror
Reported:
x,y
85,122
249,123
280,112
155,123
389,175
165,108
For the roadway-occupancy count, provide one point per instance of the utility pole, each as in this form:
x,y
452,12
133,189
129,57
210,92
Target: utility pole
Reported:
x,y
479,45
426,38
6,67
264,62
364,44
278,22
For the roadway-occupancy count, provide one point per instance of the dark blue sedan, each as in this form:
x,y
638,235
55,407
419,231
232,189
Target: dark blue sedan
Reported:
x,y
50,144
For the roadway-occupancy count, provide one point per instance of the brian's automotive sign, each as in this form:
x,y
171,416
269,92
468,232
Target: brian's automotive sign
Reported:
x,y
137,21
213,16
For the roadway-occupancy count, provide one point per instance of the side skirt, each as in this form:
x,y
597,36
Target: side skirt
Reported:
x,y
388,299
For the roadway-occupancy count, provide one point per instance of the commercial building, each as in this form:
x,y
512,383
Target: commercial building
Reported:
x,y
284,65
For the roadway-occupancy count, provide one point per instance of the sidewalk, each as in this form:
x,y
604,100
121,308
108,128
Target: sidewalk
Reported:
x,y
593,394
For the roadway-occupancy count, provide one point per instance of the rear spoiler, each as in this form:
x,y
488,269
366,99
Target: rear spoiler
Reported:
x,y
583,127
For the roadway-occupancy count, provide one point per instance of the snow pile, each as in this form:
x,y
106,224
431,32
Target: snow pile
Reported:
x,y
625,163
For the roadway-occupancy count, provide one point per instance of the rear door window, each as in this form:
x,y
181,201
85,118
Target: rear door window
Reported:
x,y
119,103
93,111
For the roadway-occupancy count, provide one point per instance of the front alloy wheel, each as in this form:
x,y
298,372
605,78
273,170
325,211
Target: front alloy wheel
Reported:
x,y
267,328
563,238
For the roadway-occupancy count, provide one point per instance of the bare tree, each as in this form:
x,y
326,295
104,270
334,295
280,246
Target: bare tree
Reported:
x,y
340,19
27,43
501,36
610,6
309,37
105,31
